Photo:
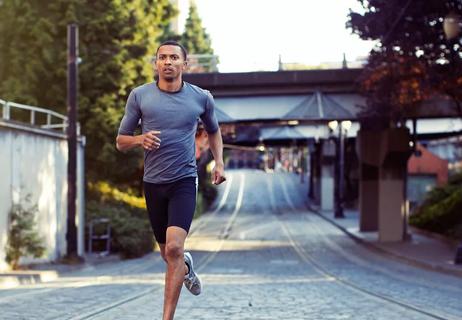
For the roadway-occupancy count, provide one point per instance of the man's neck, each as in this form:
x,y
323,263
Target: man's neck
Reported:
x,y
170,86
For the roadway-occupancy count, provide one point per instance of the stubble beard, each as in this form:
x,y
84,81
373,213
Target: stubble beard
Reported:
x,y
171,78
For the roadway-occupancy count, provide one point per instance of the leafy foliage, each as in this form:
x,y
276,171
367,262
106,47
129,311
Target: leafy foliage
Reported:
x,y
413,59
195,38
116,41
33,51
118,46
131,231
23,238
130,228
207,190
394,85
441,210
105,192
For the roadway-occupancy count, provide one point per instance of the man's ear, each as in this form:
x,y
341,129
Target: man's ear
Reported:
x,y
185,64
153,63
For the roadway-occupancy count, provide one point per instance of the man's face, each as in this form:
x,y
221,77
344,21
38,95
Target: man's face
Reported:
x,y
170,62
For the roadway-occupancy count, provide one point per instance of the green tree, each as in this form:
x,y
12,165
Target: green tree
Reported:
x,y
117,39
195,39
116,50
413,59
167,32
32,51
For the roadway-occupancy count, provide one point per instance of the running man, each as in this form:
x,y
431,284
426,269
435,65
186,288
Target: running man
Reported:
x,y
169,110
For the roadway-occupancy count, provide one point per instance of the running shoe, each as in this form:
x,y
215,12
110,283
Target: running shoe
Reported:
x,y
192,282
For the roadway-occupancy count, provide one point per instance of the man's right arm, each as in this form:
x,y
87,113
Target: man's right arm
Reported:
x,y
125,143
126,139
148,141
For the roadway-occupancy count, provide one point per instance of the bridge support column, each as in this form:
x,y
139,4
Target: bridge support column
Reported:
x,y
368,198
383,155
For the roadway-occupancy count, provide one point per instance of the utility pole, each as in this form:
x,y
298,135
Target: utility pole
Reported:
x,y
72,46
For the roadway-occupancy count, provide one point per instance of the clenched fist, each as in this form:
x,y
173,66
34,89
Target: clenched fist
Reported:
x,y
150,140
218,174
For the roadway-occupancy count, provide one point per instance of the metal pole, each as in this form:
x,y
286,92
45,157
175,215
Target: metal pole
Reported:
x,y
72,45
339,172
342,169
301,164
311,170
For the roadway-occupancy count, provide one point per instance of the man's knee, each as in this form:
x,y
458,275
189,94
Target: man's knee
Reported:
x,y
173,250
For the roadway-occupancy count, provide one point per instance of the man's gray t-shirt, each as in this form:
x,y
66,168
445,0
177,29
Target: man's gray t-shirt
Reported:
x,y
176,115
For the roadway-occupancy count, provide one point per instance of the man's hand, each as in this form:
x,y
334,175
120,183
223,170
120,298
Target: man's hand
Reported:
x,y
218,174
150,140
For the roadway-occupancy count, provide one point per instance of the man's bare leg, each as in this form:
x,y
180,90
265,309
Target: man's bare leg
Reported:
x,y
173,254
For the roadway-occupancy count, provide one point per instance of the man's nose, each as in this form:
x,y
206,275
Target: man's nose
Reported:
x,y
167,60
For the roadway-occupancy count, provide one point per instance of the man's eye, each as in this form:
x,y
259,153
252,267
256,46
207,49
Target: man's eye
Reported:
x,y
162,58
174,58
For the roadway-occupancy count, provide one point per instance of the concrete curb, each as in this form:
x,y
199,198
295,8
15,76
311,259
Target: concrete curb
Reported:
x,y
46,272
381,250
13,279
429,234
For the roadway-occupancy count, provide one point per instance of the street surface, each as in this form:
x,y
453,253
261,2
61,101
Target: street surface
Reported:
x,y
261,255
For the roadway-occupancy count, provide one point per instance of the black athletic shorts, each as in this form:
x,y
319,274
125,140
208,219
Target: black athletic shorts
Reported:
x,y
170,204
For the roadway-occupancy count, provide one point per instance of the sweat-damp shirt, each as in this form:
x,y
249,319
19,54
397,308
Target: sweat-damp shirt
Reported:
x,y
176,116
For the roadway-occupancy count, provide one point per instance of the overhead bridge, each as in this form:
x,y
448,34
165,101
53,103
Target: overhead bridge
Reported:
x,y
294,108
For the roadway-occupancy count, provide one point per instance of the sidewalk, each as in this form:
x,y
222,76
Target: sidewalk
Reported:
x,y
46,272
423,249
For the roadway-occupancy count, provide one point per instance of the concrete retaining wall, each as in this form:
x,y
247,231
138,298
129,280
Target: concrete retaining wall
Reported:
x,y
34,162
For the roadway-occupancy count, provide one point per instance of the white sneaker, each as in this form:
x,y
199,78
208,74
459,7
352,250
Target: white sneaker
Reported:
x,y
192,282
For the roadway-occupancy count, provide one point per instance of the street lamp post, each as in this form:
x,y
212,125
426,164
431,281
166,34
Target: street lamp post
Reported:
x,y
452,27
343,128
72,61
338,213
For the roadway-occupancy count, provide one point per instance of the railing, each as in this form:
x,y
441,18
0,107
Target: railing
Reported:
x,y
51,123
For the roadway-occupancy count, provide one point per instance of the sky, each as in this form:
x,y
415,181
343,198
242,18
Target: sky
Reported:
x,y
249,35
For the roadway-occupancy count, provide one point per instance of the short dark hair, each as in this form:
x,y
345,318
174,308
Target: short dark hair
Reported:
x,y
173,43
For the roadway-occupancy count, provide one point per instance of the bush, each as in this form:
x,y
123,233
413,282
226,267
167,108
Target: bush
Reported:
x,y
200,206
23,238
441,211
103,191
206,188
208,193
130,228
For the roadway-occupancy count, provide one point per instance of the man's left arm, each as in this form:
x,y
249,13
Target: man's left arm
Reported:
x,y
216,146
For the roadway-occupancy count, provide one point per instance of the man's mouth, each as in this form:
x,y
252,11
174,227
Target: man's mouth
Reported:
x,y
168,70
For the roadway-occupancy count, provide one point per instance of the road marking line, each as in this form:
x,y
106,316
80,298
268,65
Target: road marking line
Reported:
x,y
240,196
202,221
229,224
225,195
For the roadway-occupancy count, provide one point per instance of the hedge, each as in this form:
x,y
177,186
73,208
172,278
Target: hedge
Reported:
x,y
441,211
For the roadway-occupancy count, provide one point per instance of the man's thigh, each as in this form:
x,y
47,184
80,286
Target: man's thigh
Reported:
x,y
182,203
157,205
